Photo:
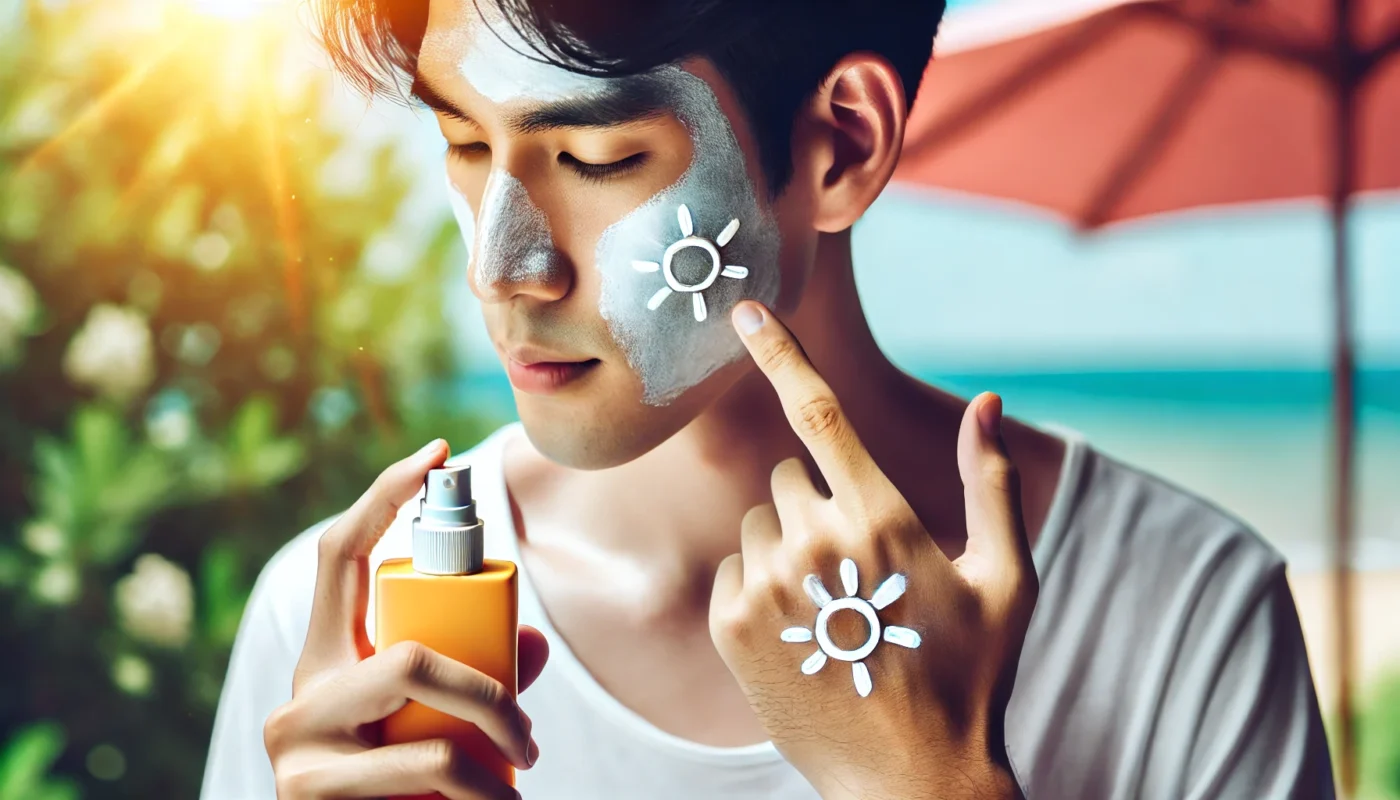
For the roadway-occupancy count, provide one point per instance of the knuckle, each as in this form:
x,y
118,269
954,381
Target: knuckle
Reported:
x,y
790,475
293,784
999,473
791,468
276,728
779,353
441,758
332,545
411,661
817,416
769,589
733,625
498,701
758,518
780,591
884,521
815,554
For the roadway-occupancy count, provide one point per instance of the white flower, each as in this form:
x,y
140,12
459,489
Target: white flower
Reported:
x,y
170,428
43,538
56,583
112,352
132,674
19,306
891,590
709,248
155,603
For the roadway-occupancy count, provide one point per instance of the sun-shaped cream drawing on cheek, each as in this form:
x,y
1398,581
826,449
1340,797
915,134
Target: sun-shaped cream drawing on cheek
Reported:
x,y
888,592
689,240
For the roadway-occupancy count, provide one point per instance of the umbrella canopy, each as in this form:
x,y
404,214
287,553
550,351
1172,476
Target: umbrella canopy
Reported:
x,y
1108,110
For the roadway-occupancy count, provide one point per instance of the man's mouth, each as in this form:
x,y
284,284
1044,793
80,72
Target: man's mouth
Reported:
x,y
536,371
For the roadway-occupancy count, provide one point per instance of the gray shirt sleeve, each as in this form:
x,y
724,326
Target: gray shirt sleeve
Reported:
x,y
1260,733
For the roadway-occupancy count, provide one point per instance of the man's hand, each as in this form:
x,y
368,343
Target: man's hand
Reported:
x,y
323,743
931,725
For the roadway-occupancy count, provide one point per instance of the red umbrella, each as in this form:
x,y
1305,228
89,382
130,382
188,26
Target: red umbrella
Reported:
x,y
1109,110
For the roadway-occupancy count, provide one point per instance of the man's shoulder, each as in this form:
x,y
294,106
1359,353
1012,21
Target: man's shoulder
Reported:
x,y
1146,525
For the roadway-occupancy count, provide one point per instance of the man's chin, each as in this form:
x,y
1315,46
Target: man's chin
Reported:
x,y
593,437
595,430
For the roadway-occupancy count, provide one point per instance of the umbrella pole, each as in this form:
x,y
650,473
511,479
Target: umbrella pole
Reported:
x,y
1343,490
1343,396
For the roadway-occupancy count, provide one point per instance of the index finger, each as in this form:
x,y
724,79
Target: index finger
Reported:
x,y
336,633
808,402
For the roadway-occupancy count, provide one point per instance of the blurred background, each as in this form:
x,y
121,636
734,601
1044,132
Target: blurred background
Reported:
x,y
231,291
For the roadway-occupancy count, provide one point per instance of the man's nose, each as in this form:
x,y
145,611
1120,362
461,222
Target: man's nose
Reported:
x,y
513,252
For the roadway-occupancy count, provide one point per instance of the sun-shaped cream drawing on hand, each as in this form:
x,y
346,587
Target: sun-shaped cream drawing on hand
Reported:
x,y
717,266
887,593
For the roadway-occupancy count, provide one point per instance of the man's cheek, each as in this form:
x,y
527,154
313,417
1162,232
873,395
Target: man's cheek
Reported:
x,y
673,269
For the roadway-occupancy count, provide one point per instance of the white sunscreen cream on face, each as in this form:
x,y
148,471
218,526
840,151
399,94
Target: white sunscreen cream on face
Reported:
x,y
675,342
513,241
672,322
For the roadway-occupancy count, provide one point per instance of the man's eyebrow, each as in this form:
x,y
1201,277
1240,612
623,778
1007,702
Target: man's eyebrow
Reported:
x,y
433,99
627,100
630,99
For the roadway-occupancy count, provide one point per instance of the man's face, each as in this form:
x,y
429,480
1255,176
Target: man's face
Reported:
x,y
616,222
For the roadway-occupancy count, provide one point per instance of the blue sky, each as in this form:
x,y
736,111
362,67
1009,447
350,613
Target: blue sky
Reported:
x,y
979,286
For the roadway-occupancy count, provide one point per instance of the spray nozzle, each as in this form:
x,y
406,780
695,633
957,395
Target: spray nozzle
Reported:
x,y
447,498
447,536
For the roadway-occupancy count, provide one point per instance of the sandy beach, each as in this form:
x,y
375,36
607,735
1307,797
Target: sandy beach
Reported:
x,y
1376,599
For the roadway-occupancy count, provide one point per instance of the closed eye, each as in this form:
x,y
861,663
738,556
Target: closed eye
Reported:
x,y
601,172
468,151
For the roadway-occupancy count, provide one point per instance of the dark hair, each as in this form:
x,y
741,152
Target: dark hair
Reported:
x,y
775,53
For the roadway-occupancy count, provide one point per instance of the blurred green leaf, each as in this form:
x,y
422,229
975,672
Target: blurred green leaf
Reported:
x,y
222,592
258,456
25,762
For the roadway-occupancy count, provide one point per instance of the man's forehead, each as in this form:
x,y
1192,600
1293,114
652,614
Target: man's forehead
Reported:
x,y
486,50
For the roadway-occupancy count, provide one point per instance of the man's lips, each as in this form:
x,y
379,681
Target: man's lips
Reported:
x,y
536,371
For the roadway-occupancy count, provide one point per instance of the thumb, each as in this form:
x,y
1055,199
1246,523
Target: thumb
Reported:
x,y
991,485
532,653
336,633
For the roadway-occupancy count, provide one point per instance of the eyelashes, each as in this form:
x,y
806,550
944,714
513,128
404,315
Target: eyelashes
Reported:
x,y
584,169
467,152
603,172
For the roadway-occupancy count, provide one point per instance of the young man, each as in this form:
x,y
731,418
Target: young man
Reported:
x,y
712,445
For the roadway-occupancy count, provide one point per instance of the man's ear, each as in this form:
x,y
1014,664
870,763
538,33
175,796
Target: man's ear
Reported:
x,y
846,140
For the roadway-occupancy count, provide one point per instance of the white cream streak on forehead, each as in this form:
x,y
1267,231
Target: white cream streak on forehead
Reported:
x,y
503,67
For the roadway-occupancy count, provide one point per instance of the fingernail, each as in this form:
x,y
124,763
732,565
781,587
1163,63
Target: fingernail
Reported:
x,y
748,318
989,416
531,753
428,448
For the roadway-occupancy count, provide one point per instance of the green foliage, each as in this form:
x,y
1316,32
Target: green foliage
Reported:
x,y
1379,751
210,338
25,762
98,485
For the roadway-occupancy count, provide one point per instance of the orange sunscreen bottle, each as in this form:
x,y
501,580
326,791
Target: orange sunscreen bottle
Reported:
x,y
454,601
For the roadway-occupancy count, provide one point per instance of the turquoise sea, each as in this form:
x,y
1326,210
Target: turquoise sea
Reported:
x,y
1256,442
